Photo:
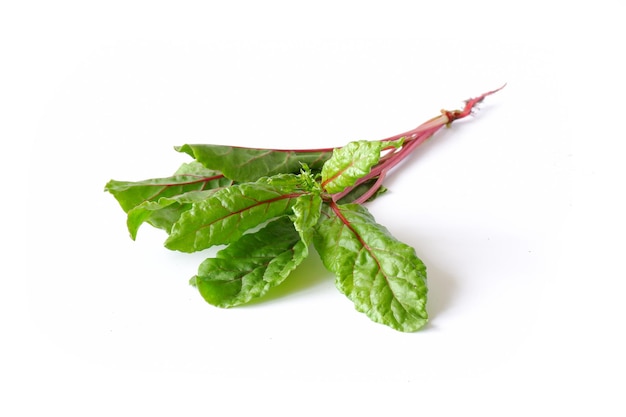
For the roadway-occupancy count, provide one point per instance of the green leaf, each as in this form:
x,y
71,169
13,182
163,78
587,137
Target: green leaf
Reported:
x,y
381,275
249,267
352,162
306,213
190,177
249,164
163,213
228,213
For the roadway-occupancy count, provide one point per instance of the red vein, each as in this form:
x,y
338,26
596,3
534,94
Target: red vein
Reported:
x,y
204,180
364,244
334,177
238,212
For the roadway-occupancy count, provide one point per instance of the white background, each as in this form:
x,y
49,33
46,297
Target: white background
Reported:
x,y
517,212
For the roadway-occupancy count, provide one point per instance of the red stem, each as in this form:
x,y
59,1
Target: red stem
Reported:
x,y
414,138
366,196
469,105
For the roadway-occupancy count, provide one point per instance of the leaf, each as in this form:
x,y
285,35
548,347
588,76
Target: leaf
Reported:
x,y
381,275
190,177
249,164
163,213
306,213
227,214
249,267
352,162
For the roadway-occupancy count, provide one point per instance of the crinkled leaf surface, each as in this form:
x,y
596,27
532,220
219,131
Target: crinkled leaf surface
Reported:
x,y
228,213
352,162
249,164
381,275
190,177
249,267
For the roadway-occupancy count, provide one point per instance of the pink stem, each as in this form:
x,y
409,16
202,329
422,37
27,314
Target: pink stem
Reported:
x,y
414,138
373,189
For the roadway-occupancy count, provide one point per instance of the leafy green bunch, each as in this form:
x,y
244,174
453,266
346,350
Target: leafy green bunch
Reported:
x,y
270,206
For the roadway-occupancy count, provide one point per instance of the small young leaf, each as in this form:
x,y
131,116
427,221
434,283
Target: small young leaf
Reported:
x,y
381,275
228,213
306,213
249,267
249,164
351,162
190,177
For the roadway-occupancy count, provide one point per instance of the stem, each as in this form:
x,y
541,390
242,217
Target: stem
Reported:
x,y
366,196
469,106
385,165
414,138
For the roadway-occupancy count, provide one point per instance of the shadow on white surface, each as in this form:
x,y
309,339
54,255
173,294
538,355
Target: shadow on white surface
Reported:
x,y
308,277
442,289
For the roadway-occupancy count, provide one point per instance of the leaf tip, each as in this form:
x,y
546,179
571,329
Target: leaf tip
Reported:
x,y
186,148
